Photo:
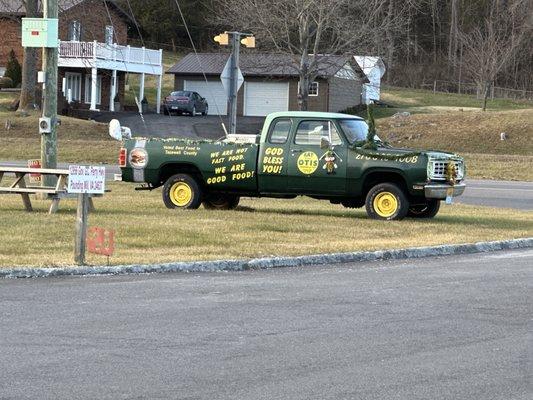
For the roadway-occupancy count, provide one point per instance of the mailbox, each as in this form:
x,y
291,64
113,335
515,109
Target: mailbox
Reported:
x,y
40,32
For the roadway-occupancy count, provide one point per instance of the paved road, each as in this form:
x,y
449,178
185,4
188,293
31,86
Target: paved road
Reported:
x,y
499,194
442,328
158,125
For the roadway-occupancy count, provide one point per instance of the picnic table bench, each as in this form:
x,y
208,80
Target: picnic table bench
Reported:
x,y
19,186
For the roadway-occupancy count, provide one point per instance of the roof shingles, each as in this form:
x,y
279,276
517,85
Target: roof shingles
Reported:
x,y
254,64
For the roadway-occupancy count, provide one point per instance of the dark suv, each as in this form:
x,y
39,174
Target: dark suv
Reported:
x,y
184,101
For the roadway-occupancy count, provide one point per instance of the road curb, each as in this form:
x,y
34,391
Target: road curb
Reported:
x,y
271,262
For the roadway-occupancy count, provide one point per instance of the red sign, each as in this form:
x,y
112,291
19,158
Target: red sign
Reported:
x,y
100,241
34,178
35,33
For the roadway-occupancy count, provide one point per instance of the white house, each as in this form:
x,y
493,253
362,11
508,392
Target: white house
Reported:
x,y
374,69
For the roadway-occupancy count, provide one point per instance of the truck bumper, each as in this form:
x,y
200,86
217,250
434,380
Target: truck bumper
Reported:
x,y
441,190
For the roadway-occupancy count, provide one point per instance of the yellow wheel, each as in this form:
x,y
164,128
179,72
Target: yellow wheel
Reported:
x,y
180,194
181,191
386,201
385,204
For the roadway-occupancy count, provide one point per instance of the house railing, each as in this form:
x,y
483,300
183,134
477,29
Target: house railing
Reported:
x,y
110,52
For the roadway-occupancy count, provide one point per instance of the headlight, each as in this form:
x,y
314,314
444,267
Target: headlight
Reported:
x,y
138,158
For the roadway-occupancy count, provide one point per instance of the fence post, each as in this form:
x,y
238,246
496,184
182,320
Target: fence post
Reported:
x,y
435,86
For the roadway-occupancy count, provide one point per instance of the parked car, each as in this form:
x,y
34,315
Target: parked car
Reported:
x,y
184,101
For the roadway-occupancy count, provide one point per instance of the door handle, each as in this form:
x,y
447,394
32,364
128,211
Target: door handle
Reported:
x,y
294,151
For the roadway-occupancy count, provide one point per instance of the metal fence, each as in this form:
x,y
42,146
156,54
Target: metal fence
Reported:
x,y
495,92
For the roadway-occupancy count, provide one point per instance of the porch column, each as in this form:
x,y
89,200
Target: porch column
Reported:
x,y
94,74
141,92
113,90
158,99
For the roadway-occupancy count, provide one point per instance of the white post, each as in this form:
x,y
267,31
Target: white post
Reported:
x,y
158,99
94,75
113,91
141,91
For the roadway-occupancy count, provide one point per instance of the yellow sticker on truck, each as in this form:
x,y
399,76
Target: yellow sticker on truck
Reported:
x,y
307,162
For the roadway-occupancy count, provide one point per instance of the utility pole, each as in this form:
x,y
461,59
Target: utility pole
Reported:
x,y
235,76
49,140
233,87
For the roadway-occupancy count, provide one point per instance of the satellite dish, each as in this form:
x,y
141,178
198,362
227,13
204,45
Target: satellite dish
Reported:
x,y
115,130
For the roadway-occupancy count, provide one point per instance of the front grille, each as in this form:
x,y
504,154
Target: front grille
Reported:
x,y
437,169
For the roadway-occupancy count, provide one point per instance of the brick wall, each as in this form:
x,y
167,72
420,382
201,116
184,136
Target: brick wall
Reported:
x,y
93,17
343,93
11,39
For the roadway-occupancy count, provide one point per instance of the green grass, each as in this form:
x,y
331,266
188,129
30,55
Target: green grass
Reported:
x,y
147,232
414,98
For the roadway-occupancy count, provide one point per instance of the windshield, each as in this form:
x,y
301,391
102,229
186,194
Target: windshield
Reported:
x,y
355,130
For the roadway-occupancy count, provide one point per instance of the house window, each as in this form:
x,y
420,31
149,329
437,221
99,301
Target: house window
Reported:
x,y
74,31
72,83
109,33
313,88
88,89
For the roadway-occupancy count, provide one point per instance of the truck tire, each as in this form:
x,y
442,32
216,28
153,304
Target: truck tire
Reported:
x,y
182,191
221,202
428,210
386,201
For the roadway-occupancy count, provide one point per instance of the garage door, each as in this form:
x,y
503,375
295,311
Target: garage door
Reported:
x,y
213,91
262,98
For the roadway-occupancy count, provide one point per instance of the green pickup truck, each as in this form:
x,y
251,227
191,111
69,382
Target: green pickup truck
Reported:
x,y
321,155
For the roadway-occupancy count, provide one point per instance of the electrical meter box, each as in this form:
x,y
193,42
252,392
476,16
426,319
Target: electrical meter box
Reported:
x,y
40,32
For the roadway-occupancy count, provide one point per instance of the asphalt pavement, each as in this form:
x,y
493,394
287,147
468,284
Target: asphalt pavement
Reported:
x,y
441,328
503,194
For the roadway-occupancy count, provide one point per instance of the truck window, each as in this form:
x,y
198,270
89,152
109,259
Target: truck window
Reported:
x,y
310,132
279,131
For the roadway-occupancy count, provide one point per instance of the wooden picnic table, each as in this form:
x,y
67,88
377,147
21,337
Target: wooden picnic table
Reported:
x,y
19,186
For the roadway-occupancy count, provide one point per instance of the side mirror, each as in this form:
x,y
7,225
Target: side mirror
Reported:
x,y
118,132
325,143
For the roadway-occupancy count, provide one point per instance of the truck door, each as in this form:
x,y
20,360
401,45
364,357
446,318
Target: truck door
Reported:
x,y
312,169
273,155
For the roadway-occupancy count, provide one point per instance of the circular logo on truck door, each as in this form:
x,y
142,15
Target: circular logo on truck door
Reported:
x,y
307,162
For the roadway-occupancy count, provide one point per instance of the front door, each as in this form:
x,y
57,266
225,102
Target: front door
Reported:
x,y
316,170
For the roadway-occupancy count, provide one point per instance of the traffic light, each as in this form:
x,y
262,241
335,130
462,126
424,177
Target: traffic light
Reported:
x,y
222,39
249,41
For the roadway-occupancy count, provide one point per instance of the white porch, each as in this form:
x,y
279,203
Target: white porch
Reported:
x,y
114,57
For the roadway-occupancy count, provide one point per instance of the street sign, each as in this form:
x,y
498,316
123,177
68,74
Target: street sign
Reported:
x,y
86,179
225,77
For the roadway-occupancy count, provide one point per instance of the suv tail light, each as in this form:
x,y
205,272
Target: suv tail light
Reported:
x,y
122,157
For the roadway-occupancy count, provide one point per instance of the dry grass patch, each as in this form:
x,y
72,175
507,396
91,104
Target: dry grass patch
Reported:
x,y
78,140
148,232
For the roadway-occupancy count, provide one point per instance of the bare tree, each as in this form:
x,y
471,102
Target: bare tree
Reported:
x,y
488,48
309,29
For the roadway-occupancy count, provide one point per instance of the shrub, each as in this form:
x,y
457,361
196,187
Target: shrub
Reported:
x,y
13,69
6,83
